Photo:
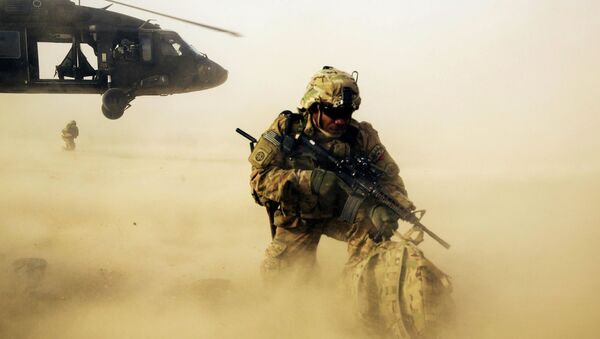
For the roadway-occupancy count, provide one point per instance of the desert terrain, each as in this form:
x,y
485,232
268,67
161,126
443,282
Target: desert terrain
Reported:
x,y
157,239
148,229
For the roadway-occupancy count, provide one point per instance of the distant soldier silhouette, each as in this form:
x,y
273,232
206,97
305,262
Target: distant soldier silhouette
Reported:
x,y
69,133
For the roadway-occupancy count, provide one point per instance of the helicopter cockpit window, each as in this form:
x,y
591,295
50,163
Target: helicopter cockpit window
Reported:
x,y
171,47
196,51
177,47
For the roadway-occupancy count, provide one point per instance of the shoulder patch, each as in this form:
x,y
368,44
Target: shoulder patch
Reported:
x,y
272,137
263,152
260,156
377,153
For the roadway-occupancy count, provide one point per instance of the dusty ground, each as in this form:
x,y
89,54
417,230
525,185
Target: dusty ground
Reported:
x,y
146,243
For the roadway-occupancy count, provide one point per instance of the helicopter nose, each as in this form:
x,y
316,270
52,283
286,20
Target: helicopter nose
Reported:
x,y
220,74
211,74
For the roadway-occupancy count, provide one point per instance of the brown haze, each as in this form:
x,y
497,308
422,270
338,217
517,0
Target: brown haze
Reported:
x,y
149,231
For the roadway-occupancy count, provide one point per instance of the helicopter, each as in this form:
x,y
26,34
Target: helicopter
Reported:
x,y
134,57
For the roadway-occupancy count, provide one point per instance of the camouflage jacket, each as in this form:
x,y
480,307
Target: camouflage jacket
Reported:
x,y
284,177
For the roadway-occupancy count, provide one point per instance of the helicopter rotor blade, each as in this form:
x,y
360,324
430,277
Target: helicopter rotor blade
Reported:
x,y
178,19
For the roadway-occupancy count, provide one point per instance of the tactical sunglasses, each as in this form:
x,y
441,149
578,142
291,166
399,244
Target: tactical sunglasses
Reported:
x,y
337,112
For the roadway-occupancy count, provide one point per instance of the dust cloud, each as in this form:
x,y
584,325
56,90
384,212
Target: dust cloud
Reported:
x,y
141,243
148,229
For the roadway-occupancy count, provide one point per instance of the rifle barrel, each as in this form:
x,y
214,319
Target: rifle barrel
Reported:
x,y
433,235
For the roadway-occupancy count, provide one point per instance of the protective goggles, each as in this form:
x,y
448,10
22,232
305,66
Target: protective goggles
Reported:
x,y
341,112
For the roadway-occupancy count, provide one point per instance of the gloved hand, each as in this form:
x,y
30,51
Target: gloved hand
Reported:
x,y
326,185
406,203
385,222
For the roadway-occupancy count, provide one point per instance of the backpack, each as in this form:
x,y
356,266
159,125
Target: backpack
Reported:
x,y
401,294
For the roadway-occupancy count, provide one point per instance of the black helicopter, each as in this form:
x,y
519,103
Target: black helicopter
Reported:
x,y
134,57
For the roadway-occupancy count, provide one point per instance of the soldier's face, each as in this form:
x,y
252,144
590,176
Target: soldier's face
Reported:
x,y
335,121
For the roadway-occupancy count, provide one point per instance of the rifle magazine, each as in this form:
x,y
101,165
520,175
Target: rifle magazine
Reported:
x,y
351,208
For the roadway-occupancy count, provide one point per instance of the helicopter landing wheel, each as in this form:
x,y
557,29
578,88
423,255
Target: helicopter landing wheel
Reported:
x,y
114,103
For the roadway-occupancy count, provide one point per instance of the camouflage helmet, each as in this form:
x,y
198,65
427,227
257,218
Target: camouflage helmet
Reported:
x,y
331,86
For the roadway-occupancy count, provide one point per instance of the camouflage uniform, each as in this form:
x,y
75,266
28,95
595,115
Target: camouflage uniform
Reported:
x,y
69,133
284,178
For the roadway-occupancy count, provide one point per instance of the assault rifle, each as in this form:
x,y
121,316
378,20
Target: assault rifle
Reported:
x,y
361,176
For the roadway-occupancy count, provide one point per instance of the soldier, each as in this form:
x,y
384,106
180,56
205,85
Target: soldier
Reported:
x,y
303,195
69,133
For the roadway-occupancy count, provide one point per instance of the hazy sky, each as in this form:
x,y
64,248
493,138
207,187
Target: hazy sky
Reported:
x,y
469,84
